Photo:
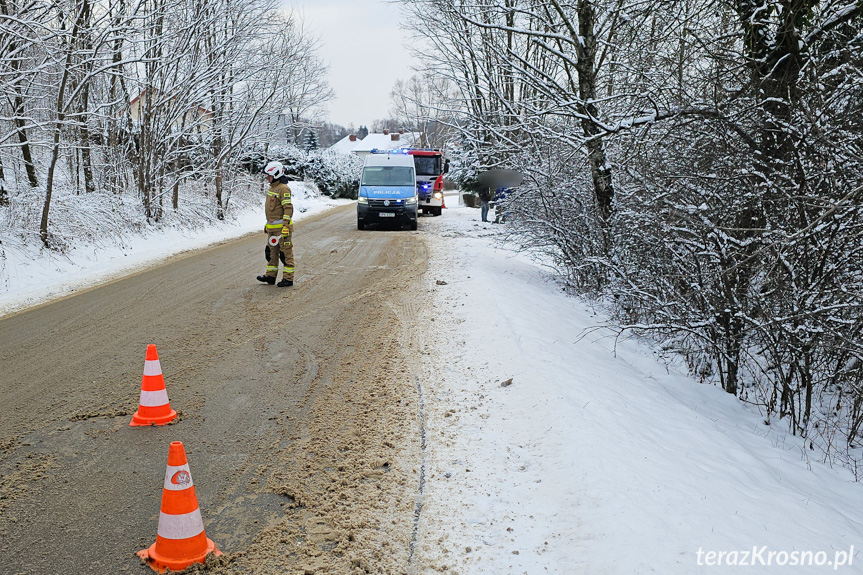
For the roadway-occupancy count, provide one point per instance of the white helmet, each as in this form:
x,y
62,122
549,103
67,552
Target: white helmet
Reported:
x,y
275,169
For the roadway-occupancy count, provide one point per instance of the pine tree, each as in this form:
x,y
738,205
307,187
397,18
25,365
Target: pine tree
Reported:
x,y
311,140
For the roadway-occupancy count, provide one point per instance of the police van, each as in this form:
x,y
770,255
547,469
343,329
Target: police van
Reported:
x,y
387,189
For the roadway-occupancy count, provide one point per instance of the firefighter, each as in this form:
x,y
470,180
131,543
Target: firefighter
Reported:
x,y
280,227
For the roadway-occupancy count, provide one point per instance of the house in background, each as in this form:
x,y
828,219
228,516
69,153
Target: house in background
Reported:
x,y
196,118
385,141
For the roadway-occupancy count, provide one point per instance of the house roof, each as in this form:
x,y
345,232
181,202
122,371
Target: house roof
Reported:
x,y
345,145
385,141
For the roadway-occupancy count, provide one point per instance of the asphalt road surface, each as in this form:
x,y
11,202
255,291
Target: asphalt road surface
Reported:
x,y
298,409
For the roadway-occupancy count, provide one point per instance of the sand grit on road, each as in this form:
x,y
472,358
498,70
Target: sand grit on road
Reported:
x,y
298,409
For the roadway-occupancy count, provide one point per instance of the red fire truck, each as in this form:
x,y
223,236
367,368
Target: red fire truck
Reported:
x,y
430,168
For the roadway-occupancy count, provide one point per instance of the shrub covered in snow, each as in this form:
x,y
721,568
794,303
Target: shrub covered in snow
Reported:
x,y
336,175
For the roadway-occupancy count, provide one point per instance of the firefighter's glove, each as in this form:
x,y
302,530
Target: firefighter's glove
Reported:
x,y
266,231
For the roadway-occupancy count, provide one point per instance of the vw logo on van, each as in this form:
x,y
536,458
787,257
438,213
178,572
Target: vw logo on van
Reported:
x,y
386,202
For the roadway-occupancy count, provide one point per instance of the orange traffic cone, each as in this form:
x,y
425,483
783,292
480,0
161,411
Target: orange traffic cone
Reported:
x,y
153,408
180,540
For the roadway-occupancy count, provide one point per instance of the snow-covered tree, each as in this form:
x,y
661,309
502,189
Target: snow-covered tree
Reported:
x,y
697,164
143,98
311,140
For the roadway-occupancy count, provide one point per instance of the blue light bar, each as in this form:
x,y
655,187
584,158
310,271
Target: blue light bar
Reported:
x,y
396,151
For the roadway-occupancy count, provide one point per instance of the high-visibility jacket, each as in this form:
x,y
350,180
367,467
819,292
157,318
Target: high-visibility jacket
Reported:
x,y
279,209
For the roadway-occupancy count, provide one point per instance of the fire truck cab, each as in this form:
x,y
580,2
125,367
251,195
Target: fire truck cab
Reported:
x,y
430,168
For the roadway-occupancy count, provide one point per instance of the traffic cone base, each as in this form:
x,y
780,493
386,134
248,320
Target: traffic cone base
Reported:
x,y
153,407
139,419
160,563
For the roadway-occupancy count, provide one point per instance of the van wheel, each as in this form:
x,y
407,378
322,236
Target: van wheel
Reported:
x,y
360,225
414,225
436,211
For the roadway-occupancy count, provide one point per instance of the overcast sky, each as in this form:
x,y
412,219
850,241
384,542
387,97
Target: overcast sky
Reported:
x,y
364,46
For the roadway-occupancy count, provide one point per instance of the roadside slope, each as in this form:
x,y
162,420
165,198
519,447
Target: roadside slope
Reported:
x,y
554,452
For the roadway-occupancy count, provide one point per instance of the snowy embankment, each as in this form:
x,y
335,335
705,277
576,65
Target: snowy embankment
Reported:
x,y
597,458
29,274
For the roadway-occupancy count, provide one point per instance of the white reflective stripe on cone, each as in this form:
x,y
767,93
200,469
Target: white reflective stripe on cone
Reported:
x,y
154,398
178,477
152,367
180,526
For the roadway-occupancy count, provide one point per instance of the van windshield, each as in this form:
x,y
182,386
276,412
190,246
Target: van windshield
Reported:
x,y
388,176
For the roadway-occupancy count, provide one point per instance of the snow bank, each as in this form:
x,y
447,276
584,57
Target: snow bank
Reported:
x,y
597,458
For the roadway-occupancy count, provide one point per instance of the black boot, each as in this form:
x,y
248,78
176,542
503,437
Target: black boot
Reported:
x,y
285,283
266,279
